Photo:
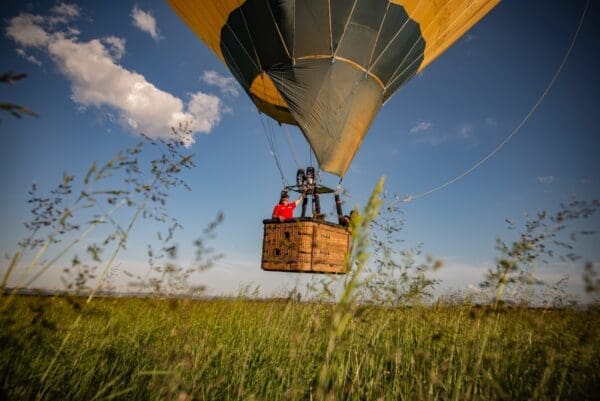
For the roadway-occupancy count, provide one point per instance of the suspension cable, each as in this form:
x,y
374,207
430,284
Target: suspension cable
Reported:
x,y
268,130
288,136
410,198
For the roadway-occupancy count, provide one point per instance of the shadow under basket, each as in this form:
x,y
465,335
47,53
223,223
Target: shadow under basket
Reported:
x,y
305,245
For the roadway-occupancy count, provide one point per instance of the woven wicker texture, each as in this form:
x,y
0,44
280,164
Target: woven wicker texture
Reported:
x,y
305,246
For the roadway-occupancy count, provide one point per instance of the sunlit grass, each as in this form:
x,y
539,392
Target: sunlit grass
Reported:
x,y
240,349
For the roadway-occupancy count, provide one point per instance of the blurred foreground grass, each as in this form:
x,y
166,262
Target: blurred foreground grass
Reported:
x,y
150,349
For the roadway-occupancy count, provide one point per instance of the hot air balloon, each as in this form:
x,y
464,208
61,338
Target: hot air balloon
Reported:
x,y
328,66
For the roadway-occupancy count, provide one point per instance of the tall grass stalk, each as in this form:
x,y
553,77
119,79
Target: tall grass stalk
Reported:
x,y
120,245
345,309
26,279
73,327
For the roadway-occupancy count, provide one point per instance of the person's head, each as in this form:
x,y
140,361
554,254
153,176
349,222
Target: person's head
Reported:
x,y
285,198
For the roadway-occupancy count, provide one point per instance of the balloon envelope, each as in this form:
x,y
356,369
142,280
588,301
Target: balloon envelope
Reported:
x,y
328,66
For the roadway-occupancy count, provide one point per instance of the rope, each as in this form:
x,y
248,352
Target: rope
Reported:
x,y
348,197
268,130
410,198
288,136
343,36
278,30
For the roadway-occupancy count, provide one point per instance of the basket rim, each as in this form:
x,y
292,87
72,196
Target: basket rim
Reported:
x,y
302,220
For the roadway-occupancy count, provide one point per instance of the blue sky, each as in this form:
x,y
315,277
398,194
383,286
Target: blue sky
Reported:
x,y
437,126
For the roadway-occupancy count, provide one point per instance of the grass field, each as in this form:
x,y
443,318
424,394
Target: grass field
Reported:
x,y
69,348
150,349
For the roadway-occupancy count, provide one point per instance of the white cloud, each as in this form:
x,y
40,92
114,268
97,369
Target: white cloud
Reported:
x,y
68,11
226,85
420,127
466,131
72,32
547,179
62,13
27,31
205,108
491,122
145,21
116,46
98,80
28,57
426,133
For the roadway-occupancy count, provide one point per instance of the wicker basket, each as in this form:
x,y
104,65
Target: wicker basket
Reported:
x,y
305,245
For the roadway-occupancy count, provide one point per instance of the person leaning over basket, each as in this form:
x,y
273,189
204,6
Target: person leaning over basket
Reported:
x,y
284,210
346,221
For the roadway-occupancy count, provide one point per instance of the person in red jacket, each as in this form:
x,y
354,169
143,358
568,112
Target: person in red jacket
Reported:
x,y
285,209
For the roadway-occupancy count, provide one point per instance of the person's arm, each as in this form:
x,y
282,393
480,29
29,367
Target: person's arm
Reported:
x,y
297,201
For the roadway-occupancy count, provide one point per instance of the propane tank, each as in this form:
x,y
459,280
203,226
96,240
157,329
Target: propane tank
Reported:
x,y
310,175
300,177
317,204
304,205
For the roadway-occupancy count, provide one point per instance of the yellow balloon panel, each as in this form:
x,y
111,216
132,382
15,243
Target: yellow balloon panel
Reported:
x,y
443,22
269,101
263,88
206,18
